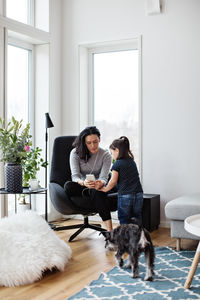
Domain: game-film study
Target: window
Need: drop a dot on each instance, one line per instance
(116, 102)
(19, 10)
(18, 70)
(31, 12)
(19, 81)
(110, 86)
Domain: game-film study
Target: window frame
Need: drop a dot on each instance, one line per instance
(30, 48)
(86, 94)
(2, 109)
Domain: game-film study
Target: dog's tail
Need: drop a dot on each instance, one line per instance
(144, 239)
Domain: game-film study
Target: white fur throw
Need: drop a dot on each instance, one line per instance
(28, 247)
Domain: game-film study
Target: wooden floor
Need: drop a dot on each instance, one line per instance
(89, 259)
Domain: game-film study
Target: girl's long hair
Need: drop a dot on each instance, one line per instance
(123, 145)
(80, 145)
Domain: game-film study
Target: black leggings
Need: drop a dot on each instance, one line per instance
(92, 199)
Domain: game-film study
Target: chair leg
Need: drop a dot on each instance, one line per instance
(92, 226)
(96, 227)
(76, 233)
(68, 227)
(81, 227)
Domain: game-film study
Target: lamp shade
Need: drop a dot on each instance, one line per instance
(48, 123)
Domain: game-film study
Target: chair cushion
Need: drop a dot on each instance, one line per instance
(183, 207)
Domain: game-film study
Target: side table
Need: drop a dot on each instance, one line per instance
(26, 191)
(192, 225)
(151, 211)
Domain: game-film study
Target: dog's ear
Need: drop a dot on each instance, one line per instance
(106, 234)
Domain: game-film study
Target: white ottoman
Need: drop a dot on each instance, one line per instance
(177, 210)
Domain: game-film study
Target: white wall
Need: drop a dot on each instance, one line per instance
(55, 107)
(170, 82)
(55, 92)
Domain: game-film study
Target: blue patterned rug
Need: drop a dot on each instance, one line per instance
(171, 269)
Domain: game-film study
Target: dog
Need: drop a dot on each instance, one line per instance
(132, 239)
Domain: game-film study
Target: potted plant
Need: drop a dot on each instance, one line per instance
(31, 165)
(14, 143)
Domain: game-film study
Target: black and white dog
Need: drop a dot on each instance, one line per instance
(132, 239)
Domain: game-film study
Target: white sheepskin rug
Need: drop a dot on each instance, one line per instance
(28, 247)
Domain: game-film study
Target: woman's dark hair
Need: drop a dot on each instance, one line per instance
(123, 145)
(80, 145)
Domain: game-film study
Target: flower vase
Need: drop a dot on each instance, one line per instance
(23, 205)
(13, 178)
(21, 208)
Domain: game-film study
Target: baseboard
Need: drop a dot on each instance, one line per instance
(165, 224)
(95, 218)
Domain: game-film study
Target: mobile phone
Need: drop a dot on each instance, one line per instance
(90, 177)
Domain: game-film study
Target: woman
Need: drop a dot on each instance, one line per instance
(88, 158)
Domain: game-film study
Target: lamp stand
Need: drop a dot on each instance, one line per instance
(46, 141)
(48, 124)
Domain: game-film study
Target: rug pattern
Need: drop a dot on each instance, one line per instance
(171, 270)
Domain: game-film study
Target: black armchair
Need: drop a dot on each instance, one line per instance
(60, 173)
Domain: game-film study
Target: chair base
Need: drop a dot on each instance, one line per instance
(81, 228)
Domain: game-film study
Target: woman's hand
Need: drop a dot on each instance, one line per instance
(90, 184)
(81, 182)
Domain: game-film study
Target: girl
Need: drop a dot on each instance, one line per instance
(125, 174)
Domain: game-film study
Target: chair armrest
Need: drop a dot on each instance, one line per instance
(60, 199)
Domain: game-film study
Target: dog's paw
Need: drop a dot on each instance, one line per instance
(135, 273)
(127, 266)
(121, 262)
(148, 278)
(149, 275)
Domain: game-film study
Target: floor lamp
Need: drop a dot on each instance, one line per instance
(48, 124)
